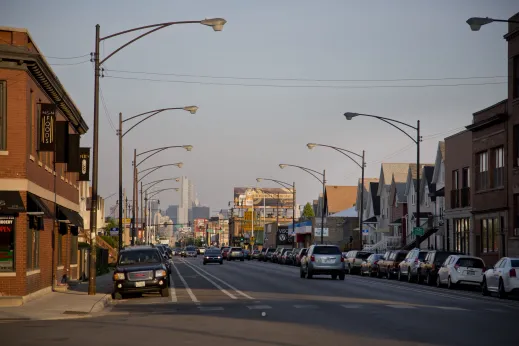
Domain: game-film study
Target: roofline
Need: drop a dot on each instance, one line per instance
(457, 134)
(505, 101)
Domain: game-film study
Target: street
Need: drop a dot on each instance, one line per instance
(256, 303)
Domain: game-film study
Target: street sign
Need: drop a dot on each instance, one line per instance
(418, 231)
(317, 232)
(365, 231)
(127, 221)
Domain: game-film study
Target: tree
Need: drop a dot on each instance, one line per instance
(110, 223)
(198, 242)
(308, 211)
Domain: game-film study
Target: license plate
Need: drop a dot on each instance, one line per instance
(329, 261)
(471, 273)
(140, 284)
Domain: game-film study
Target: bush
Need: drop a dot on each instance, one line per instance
(112, 241)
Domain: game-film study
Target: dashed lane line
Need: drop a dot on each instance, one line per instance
(223, 290)
(189, 291)
(172, 291)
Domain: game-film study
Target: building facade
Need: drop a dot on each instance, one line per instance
(39, 198)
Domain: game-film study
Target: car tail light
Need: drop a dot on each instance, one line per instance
(456, 266)
(416, 261)
(484, 269)
(312, 258)
(342, 259)
(513, 274)
(376, 262)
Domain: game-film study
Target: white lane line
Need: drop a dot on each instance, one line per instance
(172, 292)
(496, 310)
(397, 306)
(225, 283)
(189, 291)
(452, 308)
(210, 308)
(259, 307)
(232, 296)
(306, 306)
(351, 306)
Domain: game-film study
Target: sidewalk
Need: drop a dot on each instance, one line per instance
(74, 303)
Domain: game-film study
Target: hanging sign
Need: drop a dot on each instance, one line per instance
(84, 164)
(47, 127)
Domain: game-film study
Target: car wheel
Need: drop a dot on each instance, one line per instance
(450, 284)
(309, 274)
(399, 276)
(501, 290)
(301, 273)
(342, 276)
(409, 276)
(484, 288)
(164, 292)
(205, 263)
(334, 276)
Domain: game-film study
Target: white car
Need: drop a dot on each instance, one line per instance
(461, 270)
(502, 278)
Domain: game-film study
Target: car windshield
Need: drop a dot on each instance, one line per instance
(139, 256)
(212, 253)
(362, 255)
(327, 250)
(421, 255)
(470, 263)
(190, 248)
(514, 263)
(271, 250)
(236, 249)
(401, 256)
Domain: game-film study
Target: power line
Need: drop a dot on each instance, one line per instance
(306, 79)
(70, 64)
(308, 86)
(66, 58)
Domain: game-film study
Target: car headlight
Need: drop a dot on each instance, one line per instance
(160, 273)
(219, 257)
(206, 257)
(118, 276)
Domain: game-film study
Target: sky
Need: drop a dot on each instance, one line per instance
(281, 74)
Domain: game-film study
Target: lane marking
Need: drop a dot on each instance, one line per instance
(397, 306)
(351, 306)
(210, 308)
(453, 308)
(496, 310)
(259, 307)
(225, 283)
(189, 291)
(172, 292)
(232, 296)
(306, 306)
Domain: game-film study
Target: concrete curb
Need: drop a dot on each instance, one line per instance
(102, 304)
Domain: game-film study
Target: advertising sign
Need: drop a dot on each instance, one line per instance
(245, 197)
(73, 164)
(84, 164)
(282, 236)
(47, 127)
(6, 243)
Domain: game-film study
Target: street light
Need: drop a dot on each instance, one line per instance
(155, 168)
(147, 202)
(323, 181)
(362, 165)
(287, 186)
(217, 25)
(351, 115)
(476, 23)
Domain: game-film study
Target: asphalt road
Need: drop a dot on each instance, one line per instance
(254, 303)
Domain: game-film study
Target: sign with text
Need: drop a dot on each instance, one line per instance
(6, 243)
(47, 127)
(245, 197)
(317, 232)
(84, 163)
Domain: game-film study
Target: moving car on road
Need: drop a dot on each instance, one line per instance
(139, 270)
(225, 251)
(213, 256)
(323, 260)
(235, 253)
(190, 251)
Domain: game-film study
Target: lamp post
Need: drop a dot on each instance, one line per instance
(362, 165)
(217, 25)
(476, 23)
(286, 186)
(323, 181)
(151, 153)
(147, 207)
(392, 122)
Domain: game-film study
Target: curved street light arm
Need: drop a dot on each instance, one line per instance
(155, 110)
(149, 116)
(153, 169)
(347, 155)
(279, 182)
(309, 172)
(156, 28)
(399, 129)
(303, 168)
(159, 180)
(150, 155)
(154, 193)
(388, 119)
(145, 175)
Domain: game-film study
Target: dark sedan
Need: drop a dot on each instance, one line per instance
(213, 256)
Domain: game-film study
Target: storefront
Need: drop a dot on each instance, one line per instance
(11, 205)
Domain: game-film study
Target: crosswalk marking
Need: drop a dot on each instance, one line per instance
(398, 306)
(259, 307)
(306, 306)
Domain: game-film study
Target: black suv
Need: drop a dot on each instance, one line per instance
(140, 269)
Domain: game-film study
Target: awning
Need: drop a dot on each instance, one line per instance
(397, 222)
(372, 220)
(35, 204)
(11, 202)
(69, 216)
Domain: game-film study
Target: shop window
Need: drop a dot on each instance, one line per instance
(7, 246)
(482, 173)
(3, 115)
(33, 244)
(73, 249)
(461, 235)
(499, 169)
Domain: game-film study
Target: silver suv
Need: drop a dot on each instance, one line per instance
(323, 260)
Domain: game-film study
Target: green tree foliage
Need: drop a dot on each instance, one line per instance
(308, 211)
(198, 242)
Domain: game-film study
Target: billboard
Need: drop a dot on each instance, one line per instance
(246, 197)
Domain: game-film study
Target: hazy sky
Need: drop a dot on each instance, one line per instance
(243, 130)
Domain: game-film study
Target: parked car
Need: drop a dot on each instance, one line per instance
(388, 266)
(262, 254)
(323, 260)
(283, 255)
(291, 257)
(225, 251)
(428, 269)
(246, 254)
(212, 255)
(502, 278)
(235, 253)
(370, 265)
(269, 253)
(255, 254)
(276, 256)
(461, 270)
(300, 255)
(354, 259)
(408, 268)
(140, 269)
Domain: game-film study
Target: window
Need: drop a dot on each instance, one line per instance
(59, 249)
(33, 244)
(490, 235)
(3, 115)
(455, 180)
(7, 248)
(516, 145)
(31, 124)
(73, 249)
(461, 235)
(515, 76)
(465, 177)
(482, 176)
(499, 170)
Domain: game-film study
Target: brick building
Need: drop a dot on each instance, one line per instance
(39, 199)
